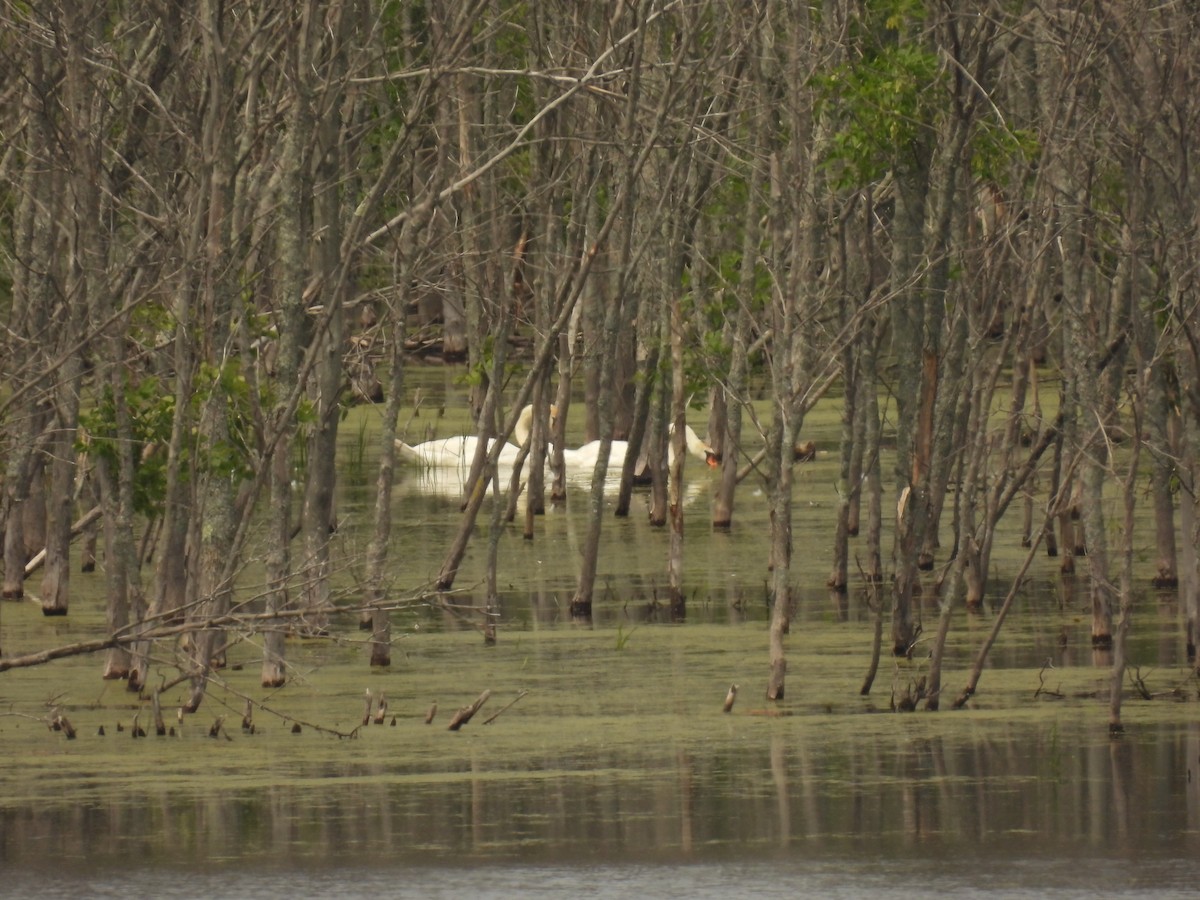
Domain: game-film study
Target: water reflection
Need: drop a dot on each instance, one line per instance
(1021, 792)
(449, 482)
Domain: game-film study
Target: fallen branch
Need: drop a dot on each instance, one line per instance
(463, 716)
(496, 715)
(141, 632)
(1135, 678)
(84, 521)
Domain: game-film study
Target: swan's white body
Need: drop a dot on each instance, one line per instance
(584, 458)
(460, 450)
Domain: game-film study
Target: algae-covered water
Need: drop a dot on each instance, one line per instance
(614, 771)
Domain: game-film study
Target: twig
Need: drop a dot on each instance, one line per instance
(1042, 683)
(1135, 678)
(496, 715)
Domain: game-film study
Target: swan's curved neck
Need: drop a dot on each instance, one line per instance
(523, 427)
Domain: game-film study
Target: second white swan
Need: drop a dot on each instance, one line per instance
(458, 451)
(584, 458)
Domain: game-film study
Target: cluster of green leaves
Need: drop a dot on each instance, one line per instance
(151, 413)
(878, 109)
(879, 102)
(997, 149)
(227, 384)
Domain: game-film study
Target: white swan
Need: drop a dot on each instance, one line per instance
(460, 450)
(584, 458)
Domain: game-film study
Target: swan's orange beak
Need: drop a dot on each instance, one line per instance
(711, 459)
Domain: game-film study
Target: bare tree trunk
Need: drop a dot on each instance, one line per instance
(32, 286)
(215, 492)
(1125, 590)
(84, 273)
(377, 552)
(294, 238)
(735, 382)
(1189, 528)
(679, 457)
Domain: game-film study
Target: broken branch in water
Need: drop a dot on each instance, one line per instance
(1139, 683)
(496, 715)
(730, 697)
(1042, 690)
(463, 716)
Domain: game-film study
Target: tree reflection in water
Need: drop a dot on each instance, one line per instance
(1017, 792)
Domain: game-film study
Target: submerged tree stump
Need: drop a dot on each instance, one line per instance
(463, 716)
(60, 722)
(730, 698)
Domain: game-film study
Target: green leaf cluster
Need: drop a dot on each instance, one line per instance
(227, 383)
(879, 103)
(151, 413)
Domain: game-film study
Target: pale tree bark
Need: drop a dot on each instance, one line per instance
(82, 283)
(1087, 317)
(796, 234)
(215, 493)
(294, 237)
(25, 412)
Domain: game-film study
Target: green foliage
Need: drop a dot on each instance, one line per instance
(880, 102)
(226, 383)
(997, 148)
(151, 413)
(878, 108)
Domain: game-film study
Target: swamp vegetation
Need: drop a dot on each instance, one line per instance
(922, 275)
(616, 747)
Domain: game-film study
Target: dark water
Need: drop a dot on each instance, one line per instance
(858, 877)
